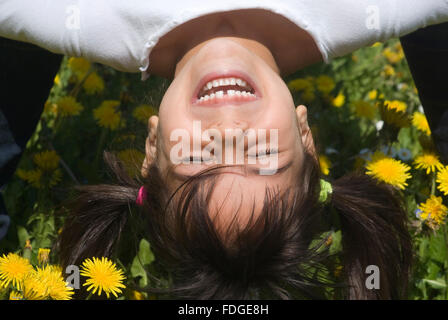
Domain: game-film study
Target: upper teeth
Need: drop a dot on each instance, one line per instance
(208, 94)
(224, 82)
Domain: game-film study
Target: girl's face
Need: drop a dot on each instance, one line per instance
(268, 113)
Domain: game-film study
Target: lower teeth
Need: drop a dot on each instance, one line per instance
(230, 93)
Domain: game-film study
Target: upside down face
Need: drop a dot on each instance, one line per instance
(223, 86)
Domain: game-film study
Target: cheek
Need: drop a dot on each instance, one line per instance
(281, 104)
(281, 114)
(177, 95)
(173, 115)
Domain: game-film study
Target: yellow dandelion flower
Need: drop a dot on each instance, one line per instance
(389, 71)
(393, 56)
(301, 84)
(421, 123)
(13, 269)
(28, 244)
(433, 209)
(397, 105)
(399, 48)
(137, 295)
(14, 295)
(50, 107)
(389, 170)
(68, 106)
(325, 84)
(393, 113)
(38, 179)
(47, 160)
(325, 164)
(57, 80)
(442, 180)
(377, 44)
(33, 288)
(304, 85)
(79, 66)
(102, 276)
(33, 177)
(364, 109)
(308, 95)
(428, 161)
(339, 100)
(93, 84)
(22, 174)
(329, 240)
(43, 255)
(107, 115)
(46, 282)
(143, 112)
(53, 282)
(372, 94)
(338, 271)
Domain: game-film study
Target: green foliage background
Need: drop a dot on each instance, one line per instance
(339, 132)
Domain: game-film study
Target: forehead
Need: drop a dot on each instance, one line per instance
(242, 197)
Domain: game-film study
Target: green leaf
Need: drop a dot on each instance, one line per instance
(143, 258)
(436, 284)
(408, 139)
(423, 249)
(422, 286)
(437, 248)
(433, 270)
(336, 243)
(23, 235)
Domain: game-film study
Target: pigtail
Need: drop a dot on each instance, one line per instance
(268, 257)
(97, 216)
(374, 232)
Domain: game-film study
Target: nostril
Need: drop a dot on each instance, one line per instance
(241, 125)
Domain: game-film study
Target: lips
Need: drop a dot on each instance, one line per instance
(236, 93)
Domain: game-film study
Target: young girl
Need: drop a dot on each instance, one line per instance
(227, 231)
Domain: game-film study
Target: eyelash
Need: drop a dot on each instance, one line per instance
(268, 151)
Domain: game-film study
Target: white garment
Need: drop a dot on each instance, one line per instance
(122, 33)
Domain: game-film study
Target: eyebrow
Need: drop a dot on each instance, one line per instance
(251, 170)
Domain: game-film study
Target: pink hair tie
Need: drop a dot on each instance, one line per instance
(141, 196)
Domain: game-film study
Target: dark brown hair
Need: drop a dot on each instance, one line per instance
(273, 256)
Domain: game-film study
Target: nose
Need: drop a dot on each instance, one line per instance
(232, 134)
(230, 125)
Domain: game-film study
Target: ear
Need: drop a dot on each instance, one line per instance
(304, 129)
(150, 146)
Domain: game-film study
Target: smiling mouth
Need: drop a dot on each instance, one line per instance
(219, 89)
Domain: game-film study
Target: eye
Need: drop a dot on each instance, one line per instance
(268, 151)
(194, 159)
(263, 153)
